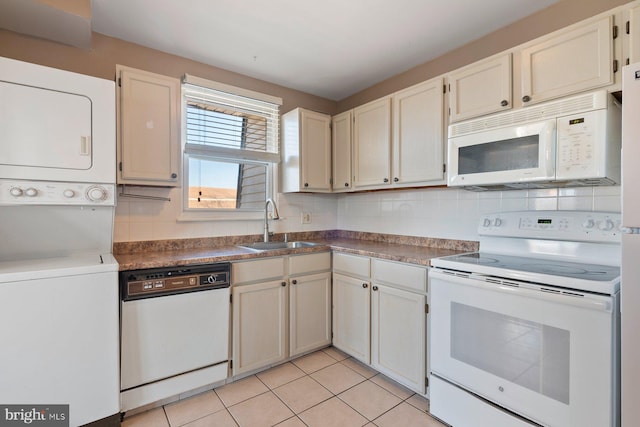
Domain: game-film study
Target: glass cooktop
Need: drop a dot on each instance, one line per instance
(589, 277)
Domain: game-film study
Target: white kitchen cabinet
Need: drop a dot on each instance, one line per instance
(341, 151)
(148, 121)
(481, 88)
(281, 308)
(372, 144)
(379, 316)
(399, 322)
(418, 134)
(309, 302)
(568, 61)
(309, 312)
(633, 30)
(351, 314)
(351, 305)
(306, 151)
(259, 325)
(259, 305)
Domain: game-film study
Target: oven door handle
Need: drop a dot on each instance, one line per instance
(555, 295)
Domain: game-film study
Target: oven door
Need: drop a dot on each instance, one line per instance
(543, 355)
(515, 154)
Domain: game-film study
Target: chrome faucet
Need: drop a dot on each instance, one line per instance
(266, 216)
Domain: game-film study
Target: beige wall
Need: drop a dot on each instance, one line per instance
(106, 52)
(563, 13)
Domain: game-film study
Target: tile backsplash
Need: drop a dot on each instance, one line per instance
(428, 212)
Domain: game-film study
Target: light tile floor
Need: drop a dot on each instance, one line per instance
(326, 388)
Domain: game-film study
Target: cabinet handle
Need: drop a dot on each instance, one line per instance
(375, 288)
(306, 184)
(395, 179)
(346, 184)
(504, 103)
(294, 282)
(385, 180)
(364, 285)
(174, 175)
(526, 98)
(283, 283)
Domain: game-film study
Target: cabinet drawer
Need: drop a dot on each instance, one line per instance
(352, 265)
(263, 269)
(300, 264)
(406, 276)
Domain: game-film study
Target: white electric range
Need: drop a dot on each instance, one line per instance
(526, 331)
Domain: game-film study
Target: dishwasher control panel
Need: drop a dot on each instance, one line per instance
(137, 284)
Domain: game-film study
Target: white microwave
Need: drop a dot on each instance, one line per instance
(56, 125)
(570, 142)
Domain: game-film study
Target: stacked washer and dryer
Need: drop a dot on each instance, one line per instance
(59, 302)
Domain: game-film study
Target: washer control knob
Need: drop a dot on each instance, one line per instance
(486, 222)
(589, 223)
(31, 192)
(16, 192)
(96, 193)
(211, 279)
(606, 225)
(68, 193)
(497, 222)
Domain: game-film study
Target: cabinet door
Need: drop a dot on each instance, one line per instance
(372, 144)
(418, 137)
(341, 141)
(351, 311)
(481, 88)
(634, 35)
(568, 62)
(259, 325)
(309, 312)
(148, 119)
(398, 335)
(315, 136)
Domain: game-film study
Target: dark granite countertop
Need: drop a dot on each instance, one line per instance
(415, 250)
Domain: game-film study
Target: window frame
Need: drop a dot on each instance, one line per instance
(228, 155)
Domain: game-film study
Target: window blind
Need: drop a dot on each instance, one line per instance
(228, 125)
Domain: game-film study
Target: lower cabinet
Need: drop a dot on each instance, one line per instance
(380, 316)
(281, 308)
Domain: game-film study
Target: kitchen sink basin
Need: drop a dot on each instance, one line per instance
(266, 246)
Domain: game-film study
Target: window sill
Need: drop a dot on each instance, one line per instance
(220, 216)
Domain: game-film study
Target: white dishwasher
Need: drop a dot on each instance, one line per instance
(174, 331)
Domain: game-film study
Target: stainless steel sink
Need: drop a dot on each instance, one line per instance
(266, 246)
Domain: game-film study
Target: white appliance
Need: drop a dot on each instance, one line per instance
(58, 279)
(175, 331)
(572, 141)
(630, 291)
(54, 124)
(526, 331)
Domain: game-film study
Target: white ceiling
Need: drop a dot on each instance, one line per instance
(330, 48)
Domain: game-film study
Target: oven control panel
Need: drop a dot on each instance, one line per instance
(24, 192)
(578, 226)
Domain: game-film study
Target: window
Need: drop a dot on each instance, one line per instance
(230, 147)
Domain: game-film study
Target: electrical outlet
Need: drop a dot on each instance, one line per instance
(305, 218)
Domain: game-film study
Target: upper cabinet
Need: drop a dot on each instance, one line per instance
(632, 30)
(418, 134)
(372, 144)
(341, 151)
(480, 88)
(148, 121)
(306, 151)
(568, 61)
(411, 155)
